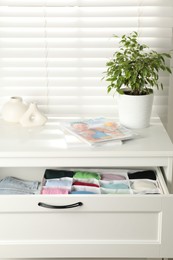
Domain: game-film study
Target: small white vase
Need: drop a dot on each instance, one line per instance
(135, 111)
(13, 110)
(33, 117)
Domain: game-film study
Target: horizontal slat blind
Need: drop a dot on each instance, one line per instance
(54, 52)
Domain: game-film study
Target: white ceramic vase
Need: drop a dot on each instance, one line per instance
(33, 117)
(135, 111)
(13, 110)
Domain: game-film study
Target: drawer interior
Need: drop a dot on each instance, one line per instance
(106, 186)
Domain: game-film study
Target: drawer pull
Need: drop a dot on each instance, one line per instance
(74, 205)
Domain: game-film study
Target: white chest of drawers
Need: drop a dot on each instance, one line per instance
(105, 226)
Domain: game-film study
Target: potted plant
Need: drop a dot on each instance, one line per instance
(133, 72)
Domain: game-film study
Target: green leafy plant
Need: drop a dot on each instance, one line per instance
(134, 68)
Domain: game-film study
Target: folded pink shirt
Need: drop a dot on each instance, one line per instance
(54, 190)
(112, 177)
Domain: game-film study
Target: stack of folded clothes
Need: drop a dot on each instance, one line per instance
(57, 186)
(85, 182)
(99, 181)
(144, 182)
(57, 182)
(114, 183)
(12, 185)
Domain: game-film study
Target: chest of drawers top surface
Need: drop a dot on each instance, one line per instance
(49, 141)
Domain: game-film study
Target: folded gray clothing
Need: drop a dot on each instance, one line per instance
(8, 191)
(14, 185)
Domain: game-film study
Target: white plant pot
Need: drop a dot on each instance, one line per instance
(135, 111)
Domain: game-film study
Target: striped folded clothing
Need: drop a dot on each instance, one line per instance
(80, 183)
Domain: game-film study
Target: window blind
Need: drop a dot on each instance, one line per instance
(54, 52)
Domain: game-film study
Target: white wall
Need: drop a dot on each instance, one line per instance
(170, 105)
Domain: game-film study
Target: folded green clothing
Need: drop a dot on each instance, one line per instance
(86, 175)
(52, 174)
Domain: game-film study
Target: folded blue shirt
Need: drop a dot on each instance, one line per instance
(115, 186)
(82, 192)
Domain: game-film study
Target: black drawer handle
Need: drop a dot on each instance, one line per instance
(74, 205)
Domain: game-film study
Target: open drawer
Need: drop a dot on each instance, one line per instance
(100, 226)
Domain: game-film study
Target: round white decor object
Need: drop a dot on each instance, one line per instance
(13, 110)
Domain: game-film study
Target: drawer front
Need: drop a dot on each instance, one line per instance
(104, 226)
